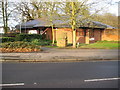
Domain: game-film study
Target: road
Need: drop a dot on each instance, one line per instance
(100, 74)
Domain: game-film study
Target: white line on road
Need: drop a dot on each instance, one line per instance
(16, 84)
(104, 79)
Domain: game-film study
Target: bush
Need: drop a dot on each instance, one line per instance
(28, 37)
(41, 42)
(7, 39)
(19, 46)
(10, 35)
(45, 42)
(35, 41)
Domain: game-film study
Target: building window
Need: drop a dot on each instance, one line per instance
(32, 32)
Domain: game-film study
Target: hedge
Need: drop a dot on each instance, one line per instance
(7, 39)
(18, 44)
(28, 37)
(9, 35)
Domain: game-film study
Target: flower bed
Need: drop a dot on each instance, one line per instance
(8, 50)
(19, 46)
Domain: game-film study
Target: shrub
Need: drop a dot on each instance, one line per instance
(10, 35)
(48, 41)
(7, 39)
(35, 41)
(19, 46)
(28, 37)
(41, 42)
(45, 42)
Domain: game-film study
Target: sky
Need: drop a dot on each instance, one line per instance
(109, 9)
(112, 9)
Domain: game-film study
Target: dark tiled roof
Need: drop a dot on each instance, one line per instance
(44, 22)
(32, 23)
(102, 25)
(94, 24)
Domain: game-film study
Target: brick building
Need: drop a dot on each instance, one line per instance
(88, 32)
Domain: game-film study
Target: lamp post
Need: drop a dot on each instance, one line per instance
(20, 17)
(20, 27)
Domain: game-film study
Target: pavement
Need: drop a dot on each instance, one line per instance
(56, 55)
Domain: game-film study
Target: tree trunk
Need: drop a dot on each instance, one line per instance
(74, 39)
(3, 15)
(73, 24)
(53, 36)
(6, 18)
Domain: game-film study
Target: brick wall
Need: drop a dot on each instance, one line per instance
(49, 34)
(110, 34)
(63, 33)
(97, 34)
(80, 35)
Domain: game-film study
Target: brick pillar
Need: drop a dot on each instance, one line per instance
(61, 38)
(87, 37)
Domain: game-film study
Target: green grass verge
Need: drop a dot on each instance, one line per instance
(102, 45)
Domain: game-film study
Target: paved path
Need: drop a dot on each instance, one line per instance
(54, 54)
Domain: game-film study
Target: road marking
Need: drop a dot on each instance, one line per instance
(104, 79)
(35, 83)
(16, 84)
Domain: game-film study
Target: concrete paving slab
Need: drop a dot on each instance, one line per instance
(54, 54)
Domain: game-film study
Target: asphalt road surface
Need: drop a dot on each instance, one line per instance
(100, 74)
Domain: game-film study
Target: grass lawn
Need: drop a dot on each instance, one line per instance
(97, 45)
(102, 45)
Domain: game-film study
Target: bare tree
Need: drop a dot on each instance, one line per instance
(51, 13)
(79, 10)
(32, 10)
(4, 15)
(74, 10)
(107, 18)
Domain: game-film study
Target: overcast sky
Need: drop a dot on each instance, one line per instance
(110, 9)
(114, 8)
